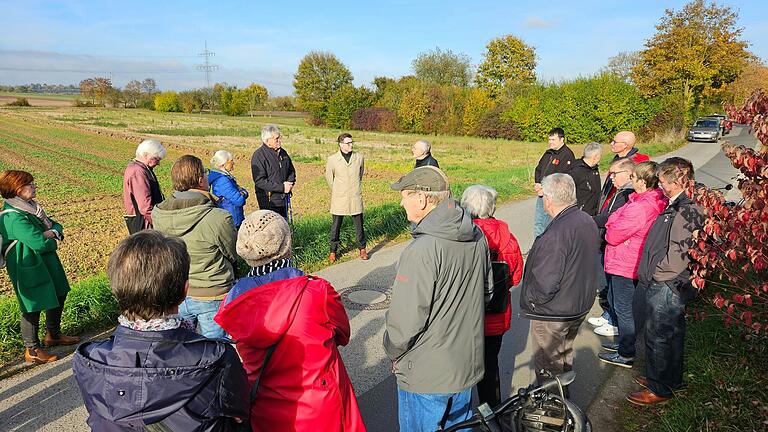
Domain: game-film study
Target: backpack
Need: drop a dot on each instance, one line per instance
(10, 246)
(500, 297)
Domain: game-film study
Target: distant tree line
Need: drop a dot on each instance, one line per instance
(694, 63)
(41, 88)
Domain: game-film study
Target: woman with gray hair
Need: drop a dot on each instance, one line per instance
(480, 202)
(224, 185)
(141, 189)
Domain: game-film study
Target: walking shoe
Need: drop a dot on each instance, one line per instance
(616, 360)
(611, 346)
(363, 254)
(59, 339)
(598, 321)
(607, 330)
(332, 257)
(37, 355)
(646, 397)
(641, 380)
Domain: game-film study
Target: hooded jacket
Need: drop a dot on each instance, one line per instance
(501, 241)
(176, 377)
(231, 196)
(587, 180)
(626, 230)
(210, 237)
(434, 325)
(305, 386)
(560, 274)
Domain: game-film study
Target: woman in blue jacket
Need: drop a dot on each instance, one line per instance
(223, 184)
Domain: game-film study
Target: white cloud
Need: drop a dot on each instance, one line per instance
(534, 22)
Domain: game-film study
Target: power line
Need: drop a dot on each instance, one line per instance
(207, 67)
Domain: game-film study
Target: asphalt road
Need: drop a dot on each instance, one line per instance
(45, 398)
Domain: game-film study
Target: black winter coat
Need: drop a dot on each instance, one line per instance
(616, 201)
(560, 274)
(175, 376)
(587, 181)
(270, 169)
(427, 161)
(554, 161)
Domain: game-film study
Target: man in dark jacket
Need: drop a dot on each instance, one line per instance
(557, 159)
(273, 172)
(623, 145)
(665, 277)
(586, 176)
(559, 278)
(434, 326)
(154, 370)
(422, 151)
(619, 172)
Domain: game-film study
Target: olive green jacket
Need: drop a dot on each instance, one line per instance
(32, 263)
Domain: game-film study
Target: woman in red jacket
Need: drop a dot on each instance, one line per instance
(480, 202)
(287, 327)
(625, 233)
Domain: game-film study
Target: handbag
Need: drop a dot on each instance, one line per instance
(134, 222)
(500, 297)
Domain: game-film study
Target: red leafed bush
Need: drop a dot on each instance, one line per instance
(731, 250)
(374, 119)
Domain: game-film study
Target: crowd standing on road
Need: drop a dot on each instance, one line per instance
(261, 352)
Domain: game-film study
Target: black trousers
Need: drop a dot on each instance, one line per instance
(281, 210)
(488, 389)
(664, 339)
(30, 324)
(336, 228)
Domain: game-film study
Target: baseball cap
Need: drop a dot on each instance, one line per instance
(426, 178)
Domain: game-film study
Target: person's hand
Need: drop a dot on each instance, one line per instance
(49, 234)
(537, 188)
(287, 186)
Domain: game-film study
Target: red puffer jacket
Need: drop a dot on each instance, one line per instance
(305, 386)
(505, 244)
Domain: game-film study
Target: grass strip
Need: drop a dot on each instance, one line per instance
(725, 376)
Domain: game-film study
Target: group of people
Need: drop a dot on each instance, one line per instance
(197, 348)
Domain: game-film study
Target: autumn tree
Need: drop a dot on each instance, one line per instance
(754, 77)
(319, 75)
(88, 89)
(443, 67)
(344, 103)
(132, 92)
(694, 52)
(255, 96)
(507, 60)
(149, 86)
(622, 64)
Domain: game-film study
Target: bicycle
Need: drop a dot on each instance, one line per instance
(532, 409)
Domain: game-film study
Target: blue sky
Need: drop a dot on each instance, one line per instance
(64, 42)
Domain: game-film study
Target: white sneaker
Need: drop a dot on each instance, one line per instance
(607, 330)
(597, 321)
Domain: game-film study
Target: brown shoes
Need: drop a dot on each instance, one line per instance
(38, 356)
(60, 339)
(641, 380)
(332, 257)
(646, 397)
(363, 254)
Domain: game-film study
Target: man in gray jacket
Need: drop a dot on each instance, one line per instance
(434, 326)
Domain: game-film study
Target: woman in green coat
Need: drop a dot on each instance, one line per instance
(29, 247)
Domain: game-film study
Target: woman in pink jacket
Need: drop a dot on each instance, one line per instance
(625, 233)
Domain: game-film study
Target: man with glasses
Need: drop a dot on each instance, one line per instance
(620, 174)
(623, 145)
(273, 172)
(344, 174)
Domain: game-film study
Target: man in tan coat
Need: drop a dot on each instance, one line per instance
(344, 173)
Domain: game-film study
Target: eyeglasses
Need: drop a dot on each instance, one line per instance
(348, 142)
(632, 177)
(617, 142)
(278, 138)
(613, 173)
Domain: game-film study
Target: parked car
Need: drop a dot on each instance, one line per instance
(705, 129)
(725, 124)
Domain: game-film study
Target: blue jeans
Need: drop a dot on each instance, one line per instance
(622, 296)
(540, 219)
(422, 412)
(664, 339)
(201, 312)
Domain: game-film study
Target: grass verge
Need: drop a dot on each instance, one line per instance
(90, 305)
(725, 376)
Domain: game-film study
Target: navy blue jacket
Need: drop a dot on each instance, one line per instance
(136, 378)
(231, 196)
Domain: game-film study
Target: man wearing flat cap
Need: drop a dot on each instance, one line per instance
(434, 326)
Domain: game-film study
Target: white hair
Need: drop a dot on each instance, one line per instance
(592, 149)
(269, 131)
(220, 158)
(151, 148)
(560, 189)
(480, 201)
(425, 145)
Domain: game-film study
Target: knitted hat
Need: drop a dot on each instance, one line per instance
(263, 237)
